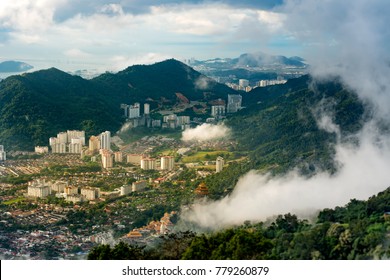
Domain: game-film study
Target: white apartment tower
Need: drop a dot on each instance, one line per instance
(148, 163)
(146, 109)
(167, 163)
(218, 110)
(38, 188)
(107, 159)
(219, 164)
(134, 111)
(105, 140)
(3, 155)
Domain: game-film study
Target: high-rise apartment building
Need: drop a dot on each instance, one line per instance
(71, 141)
(218, 110)
(38, 188)
(134, 111)
(234, 103)
(76, 134)
(134, 158)
(118, 156)
(107, 159)
(90, 193)
(167, 163)
(139, 186)
(146, 109)
(94, 144)
(219, 164)
(243, 83)
(125, 189)
(3, 155)
(148, 163)
(105, 140)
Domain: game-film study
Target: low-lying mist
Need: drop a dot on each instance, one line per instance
(206, 132)
(363, 172)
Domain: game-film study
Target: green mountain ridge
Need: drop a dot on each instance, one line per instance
(38, 105)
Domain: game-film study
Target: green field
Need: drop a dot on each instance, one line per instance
(13, 201)
(206, 155)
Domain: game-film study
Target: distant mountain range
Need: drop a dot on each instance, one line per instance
(251, 66)
(14, 67)
(252, 60)
(35, 106)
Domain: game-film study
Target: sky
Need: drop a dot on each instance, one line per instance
(113, 34)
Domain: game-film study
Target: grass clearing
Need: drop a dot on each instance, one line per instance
(206, 156)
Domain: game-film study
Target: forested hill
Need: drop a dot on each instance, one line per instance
(358, 230)
(279, 126)
(38, 105)
(163, 80)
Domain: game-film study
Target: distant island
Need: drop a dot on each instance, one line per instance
(14, 67)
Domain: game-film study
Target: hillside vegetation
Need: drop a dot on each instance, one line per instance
(38, 105)
(279, 126)
(358, 230)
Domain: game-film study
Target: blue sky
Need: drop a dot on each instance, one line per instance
(113, 34)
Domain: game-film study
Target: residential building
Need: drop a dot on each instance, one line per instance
(134, 158)
(219, 164)
(139, 186)
(76, 134)
(234, 103)
(148, 163)
(107, 159)
(75, 198)
(243, 83)
(41, 149)
(167, 163)
(71, 141)
(3, 155)
(94, 144)
(182, 120)
(71, 190)
(126, 189)
(118, 156)
(90, 193)
(134, 111)
(218, 110)
(75, 146)
(58, 186)
(146, 109)
(105, 140)
(38, 188)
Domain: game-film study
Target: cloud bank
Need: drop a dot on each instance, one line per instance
(205, 132)
(257, 197)
(49, 31)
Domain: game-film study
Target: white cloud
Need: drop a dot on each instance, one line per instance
(210, 19)
(76, 53)
(349, 39)
(205, 132)
(258, 197)
(28, 15)
(107, 29)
